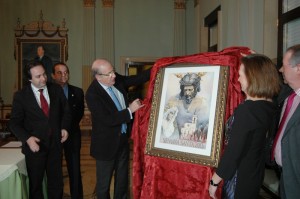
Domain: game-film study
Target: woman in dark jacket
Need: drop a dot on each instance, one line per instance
(243, 162)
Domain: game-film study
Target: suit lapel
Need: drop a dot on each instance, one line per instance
(122, 90)
(295, 117)
(103, 94)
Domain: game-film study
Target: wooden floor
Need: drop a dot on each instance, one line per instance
(88, 170)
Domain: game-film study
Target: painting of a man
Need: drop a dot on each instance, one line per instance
(47, 52)
(187, 113)
(45, 60)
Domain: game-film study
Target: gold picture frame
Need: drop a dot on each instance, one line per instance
(187, 113)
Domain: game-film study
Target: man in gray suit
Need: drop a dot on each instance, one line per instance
(287, 147)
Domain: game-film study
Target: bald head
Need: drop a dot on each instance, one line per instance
(99, 65)
(104, 72)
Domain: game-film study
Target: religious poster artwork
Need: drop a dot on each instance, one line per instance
(187, 113)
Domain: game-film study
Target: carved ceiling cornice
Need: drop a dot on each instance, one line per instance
(89, 3)
(47, 28)
(108, 3)
(179, 4)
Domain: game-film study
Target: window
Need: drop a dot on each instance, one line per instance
(288, 25)
(211, 21)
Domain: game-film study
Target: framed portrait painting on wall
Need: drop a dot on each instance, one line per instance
(26, 50)
(41, 41)
(187, 113)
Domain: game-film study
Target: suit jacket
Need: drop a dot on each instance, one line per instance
(76, 104)
(106, 119)
(27, 118)
(290, 147)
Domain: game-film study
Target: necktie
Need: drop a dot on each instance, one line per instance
(65, 88)
(283, 121)
(118, 105)
(44, 103)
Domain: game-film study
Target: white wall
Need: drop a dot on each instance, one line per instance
(143, 28)
(251, 23)
(243, 22)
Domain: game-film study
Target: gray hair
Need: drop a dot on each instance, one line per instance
(295, 58)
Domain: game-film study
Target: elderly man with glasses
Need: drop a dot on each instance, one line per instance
(111, 113)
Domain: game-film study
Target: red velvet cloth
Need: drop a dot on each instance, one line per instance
(161, 178)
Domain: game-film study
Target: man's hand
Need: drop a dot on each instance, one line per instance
(64, 135)
(33, 144)
(135, 105)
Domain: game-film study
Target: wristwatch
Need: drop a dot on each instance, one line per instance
(213, 184)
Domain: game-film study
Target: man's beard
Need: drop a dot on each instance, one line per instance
(188, 99)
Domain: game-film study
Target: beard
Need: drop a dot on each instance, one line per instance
(188, 98)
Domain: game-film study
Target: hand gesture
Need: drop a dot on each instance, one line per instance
(33, 144)
(64, 135)
(135, 105)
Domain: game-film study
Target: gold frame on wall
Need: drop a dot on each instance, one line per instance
(198, 146)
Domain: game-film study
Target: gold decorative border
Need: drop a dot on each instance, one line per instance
(217, 137)
(108, 3)
(179, 5)
(89, 3)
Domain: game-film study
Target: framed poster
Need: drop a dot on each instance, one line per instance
(187, 113)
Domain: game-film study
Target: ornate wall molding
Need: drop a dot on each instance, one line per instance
(89, 3)
(34, 28)
(179, 4)
(108, 3)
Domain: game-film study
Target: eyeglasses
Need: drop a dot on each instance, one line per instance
(108, 74)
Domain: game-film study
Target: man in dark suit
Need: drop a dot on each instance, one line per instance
(75, 96)
(40, 118)
(46, 61)
(111, 116)
(287, 141)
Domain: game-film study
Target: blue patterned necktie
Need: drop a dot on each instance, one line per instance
(118, 105)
